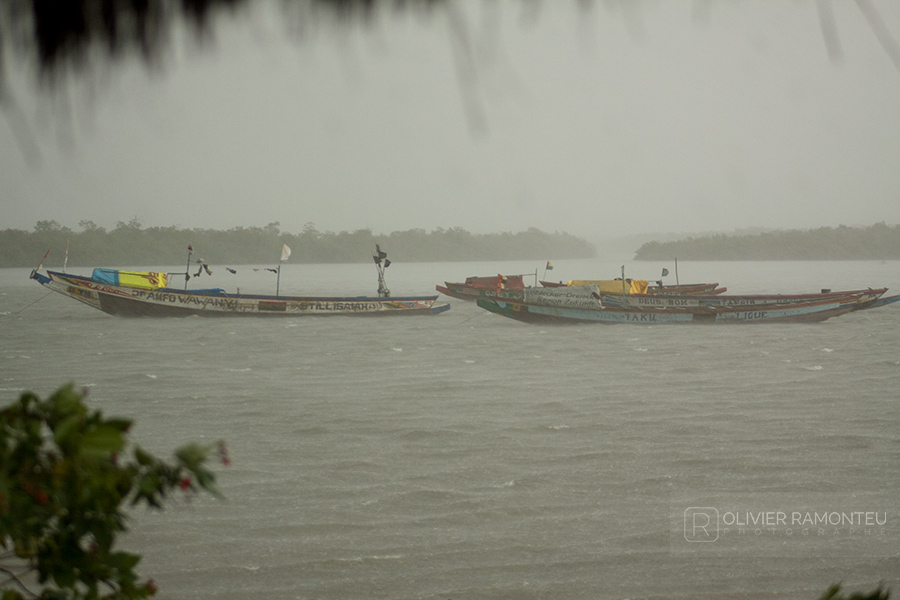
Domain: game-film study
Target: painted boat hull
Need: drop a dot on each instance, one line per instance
(881, 302)
(472, 291)
(167, 302)
(653, 301)
(510, 286)
(805, 312)
(463, 292)
(684, 288)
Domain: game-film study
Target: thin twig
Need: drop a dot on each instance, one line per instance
(876, 23)
(829, 30)
(466, 68)
(12, 577)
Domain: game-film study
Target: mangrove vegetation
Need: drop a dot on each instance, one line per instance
(878, 242)
(131, 244)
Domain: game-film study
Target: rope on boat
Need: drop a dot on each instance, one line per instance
(478, 314)
(30, 305)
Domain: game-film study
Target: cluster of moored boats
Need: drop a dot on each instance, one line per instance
(142, 293)
(637, 301)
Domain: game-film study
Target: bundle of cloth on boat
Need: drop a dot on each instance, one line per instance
(614, 286)
(145, 280)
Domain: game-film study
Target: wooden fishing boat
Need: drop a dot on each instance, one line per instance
(509, 286)
(686, 288)
(616, 285)
(583, 304)
(138, 293)
(460, 291)
(471, 292)
(168, 302)
(658, 301)
(492, 282)
(513, 286)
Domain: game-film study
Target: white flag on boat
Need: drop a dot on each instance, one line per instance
(285, 253)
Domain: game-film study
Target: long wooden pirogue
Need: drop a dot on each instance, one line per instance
(585, 304)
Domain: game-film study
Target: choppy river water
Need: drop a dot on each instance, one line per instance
(465, 455)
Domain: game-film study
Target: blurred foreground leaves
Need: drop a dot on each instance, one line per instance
(835, 593)
(66, 476)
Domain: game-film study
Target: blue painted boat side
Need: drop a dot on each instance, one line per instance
(881, 302)
(538, 313)
(781, 313)
(607, 316)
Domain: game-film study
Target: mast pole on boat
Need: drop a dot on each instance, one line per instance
(676, 270)
(285, 255)
(187, 269)
(41, 264)
(378, 256)
(623, 285)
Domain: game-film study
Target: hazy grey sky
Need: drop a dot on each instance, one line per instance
(614, 120)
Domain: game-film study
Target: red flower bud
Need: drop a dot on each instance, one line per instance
(223, 453)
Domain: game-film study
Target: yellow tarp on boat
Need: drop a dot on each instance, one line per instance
(144, 280)
(614, 286)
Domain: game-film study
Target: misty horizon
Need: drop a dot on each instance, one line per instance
(602, 123)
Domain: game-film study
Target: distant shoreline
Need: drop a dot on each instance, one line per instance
(130, 243)
(878, 242)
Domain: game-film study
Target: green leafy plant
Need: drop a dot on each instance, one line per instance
(67, 474)
(835, 593)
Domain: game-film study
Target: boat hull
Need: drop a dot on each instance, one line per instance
(656, 290)
(468, 291)
(693, 301)
(166, 302)
(463, 292)
(796, 313)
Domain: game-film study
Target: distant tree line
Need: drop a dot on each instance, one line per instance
(130, 244)
(878, 242)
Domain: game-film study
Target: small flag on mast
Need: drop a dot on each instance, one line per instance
(549, 266)
(285, 253)
(665, 272)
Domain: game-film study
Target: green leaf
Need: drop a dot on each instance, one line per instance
(124, 562)
(66, 430)
(122, 425)
(102, 440)
(143, 458)
(191, 455)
